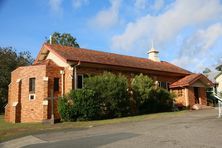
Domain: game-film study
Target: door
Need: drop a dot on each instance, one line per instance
(196, 95)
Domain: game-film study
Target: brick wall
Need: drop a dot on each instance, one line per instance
(191, 96)
(203, 97)
(129, 74)
(32, 110)
(68, 78)
(26, 110)
(52, 72)
(180, 98)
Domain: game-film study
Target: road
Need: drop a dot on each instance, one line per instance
(196, 129)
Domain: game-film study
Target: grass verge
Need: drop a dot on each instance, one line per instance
(10, 131)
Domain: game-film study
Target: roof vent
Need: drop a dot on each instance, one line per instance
(153, 54)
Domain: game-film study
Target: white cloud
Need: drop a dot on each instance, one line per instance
(197, 50)
(140, 4)
(79, 3)
(166, 26)
(108, 17)
(56, 6)
(158, 4)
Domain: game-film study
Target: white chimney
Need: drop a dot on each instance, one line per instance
(153, 54)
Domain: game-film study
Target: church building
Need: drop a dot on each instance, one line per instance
(59, 69)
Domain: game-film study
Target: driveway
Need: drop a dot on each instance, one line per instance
(196, 129)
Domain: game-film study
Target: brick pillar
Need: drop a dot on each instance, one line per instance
(187, 103)
(15, 114)
(68, 80)
(45, 101)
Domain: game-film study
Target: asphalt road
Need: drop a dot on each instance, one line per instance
(195, 129)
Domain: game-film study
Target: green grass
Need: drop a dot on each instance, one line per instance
(10, 131)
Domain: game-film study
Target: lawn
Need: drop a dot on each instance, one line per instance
(10, 131)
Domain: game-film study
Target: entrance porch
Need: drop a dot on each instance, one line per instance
(191, 90)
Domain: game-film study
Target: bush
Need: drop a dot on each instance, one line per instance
(65, 109)
(142, 87)
(79, 105)
(106, 96)
(111, 91)
(148, 98)
(162, 100)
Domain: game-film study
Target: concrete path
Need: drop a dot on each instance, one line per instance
(198, 129)
(20, 142)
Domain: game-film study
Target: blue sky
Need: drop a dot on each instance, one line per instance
(187, 33)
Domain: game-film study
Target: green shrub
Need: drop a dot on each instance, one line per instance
(65, 108)
(86, 107)
(78, 105)
(142, 87)
(111, 93)
(148, 98)
(161, 100)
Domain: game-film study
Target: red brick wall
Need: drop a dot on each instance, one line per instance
(68, 79)
(26, 110)
(54, 72)
(129, 75)
(203, 97)
(180, 99)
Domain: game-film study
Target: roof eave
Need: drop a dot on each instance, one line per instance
(180, 74)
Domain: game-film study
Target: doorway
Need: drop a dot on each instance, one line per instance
(196, 95)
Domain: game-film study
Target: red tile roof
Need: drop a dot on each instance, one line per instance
(190, 79)
(98, 57)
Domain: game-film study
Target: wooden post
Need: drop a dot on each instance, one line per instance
(52, 107)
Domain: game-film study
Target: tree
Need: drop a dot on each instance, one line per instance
(9, 61)
(206, 70)
(64, 39)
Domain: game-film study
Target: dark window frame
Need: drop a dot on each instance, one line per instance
(164, 85)
(80, 85)
(32, 85)
(56, 84)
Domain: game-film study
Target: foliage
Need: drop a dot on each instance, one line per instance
(64, 39)
(79, 105)
(142, 86)
(206, 70)
(106, 96)
(148, 98)
(9, 61)
(161, 100)
(111, 91)
(65, 108)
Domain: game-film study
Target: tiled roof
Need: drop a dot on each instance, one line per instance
(190, 79)
(98, 57)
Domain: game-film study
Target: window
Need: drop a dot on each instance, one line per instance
(56, 84)
(79, 81)
(31, 85)
(164, 85)
(31, 96)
